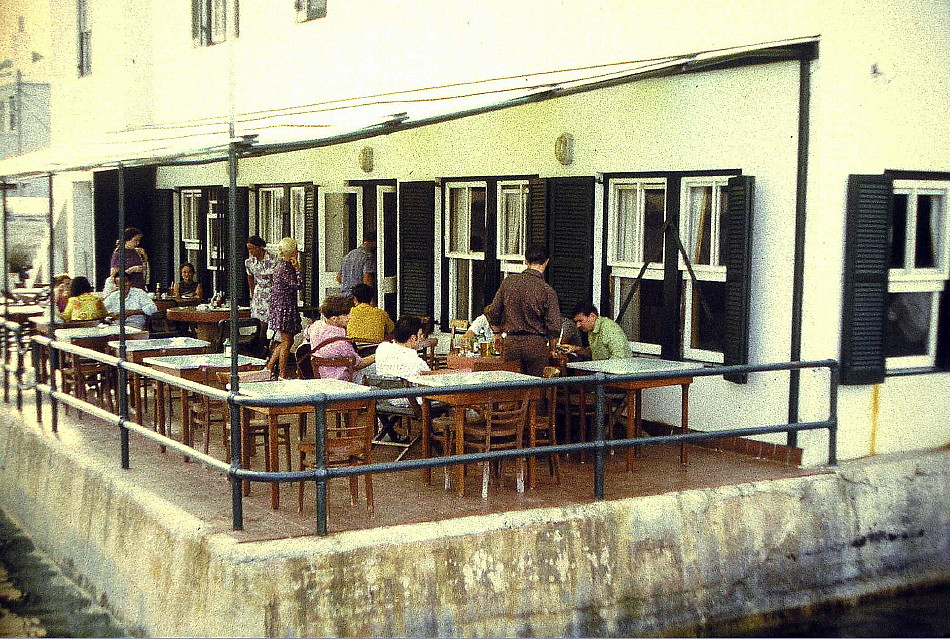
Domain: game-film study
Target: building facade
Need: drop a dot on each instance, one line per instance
(730, 189)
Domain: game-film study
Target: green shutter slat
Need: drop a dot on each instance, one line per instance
(867, 253)
(310, 294)
(738, 274)
(417, 248)
(570, 238)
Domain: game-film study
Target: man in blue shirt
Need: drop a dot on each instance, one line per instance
(359, 265)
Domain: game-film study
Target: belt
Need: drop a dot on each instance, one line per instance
(523, 333)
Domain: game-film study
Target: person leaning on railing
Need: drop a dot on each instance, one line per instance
(83, 304)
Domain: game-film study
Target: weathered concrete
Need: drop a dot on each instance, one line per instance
(651, 565)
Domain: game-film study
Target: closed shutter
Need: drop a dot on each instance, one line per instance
(161, 225)
(571, 239)
(242, 229)
(311, 296)
(738, 231)
(866, 256)
(537, 211)
(417, 248)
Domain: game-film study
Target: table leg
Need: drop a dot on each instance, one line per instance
(459, 450)
(273, 462)
(684, 459)
(160, 411)
(532, 442)
(185, 419)
(426, 442)
(632, 405)
(638, 418)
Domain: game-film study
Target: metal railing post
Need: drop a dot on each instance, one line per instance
(237, 489)
(599, 437)
(54, 362)
(35, 351)
(19, 372)
(833, 415)
(320, 464)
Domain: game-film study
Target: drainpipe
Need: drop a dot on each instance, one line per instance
(237, 505)
(53, 353)
(798, 278)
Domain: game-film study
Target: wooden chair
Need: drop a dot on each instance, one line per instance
(349, 363)
(545, 425)
(80, 376)
(502, 427)
(252, 338)
(457, 327)
(389, 415)
(429, 349)
(349, 442)
(253, 431)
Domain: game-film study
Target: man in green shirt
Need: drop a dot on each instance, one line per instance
(606, 338)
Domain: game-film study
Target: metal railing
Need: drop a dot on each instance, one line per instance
(320, 474)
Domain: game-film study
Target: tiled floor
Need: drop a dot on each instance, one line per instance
(400, 497)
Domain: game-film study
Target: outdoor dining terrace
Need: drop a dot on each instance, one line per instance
(231, 488)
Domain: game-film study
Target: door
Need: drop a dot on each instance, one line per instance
(386, 249)
(340, 230)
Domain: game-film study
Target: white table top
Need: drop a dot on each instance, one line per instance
(193, 362)
(102, 330)
(304, 388)
(160, 343)
(464, 378)
(623, 365)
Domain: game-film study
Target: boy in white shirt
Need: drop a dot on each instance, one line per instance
(138, 304)
(400, 358)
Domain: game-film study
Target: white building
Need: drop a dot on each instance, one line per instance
(458, 132)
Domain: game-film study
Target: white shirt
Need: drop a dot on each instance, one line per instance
(137, 300)
(395, 360)
(482, 329)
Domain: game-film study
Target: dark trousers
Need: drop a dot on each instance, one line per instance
(530, 350)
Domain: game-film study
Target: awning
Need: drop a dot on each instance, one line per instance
(337, 121)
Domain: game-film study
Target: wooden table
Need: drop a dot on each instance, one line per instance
(204, 319)
(479, 363)
(461, 401)
(303, 388)
(191, 367)
(634, 388)
(136, 351)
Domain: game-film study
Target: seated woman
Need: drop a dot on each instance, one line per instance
(61, 284)
(328, 339)
(188, 287)
(83, 304)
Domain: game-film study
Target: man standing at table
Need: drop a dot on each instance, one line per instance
(138, 304)
(359, 265)
(607, 340)
(526, 309)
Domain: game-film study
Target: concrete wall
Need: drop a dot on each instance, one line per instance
(640, 566)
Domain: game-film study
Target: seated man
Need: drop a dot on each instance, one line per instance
(138, 304)
(607, 340)
(399, 357)
(328, 339)
(367, 322)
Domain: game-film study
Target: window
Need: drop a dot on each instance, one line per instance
(310, 9)
(512, 220)
(190, 200)
(211, 20)
(636, 242)
(704, 203)
(465, 247)
(918, 270)
(634, 235)
(297, 214)
(215, 236)
(270, 214)
(84, 36)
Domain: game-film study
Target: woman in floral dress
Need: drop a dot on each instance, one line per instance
(284, 317)
(260, 267)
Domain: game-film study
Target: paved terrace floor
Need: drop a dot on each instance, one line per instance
(400, 497)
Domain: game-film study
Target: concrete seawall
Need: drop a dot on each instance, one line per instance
(651, 565)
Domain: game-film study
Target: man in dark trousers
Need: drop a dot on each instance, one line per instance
(526, 309)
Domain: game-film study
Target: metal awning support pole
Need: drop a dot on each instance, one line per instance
(234, 415)
(51, 331)
(123, 374)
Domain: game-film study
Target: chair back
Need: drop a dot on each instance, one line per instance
(348, 363)
(456, 327)
(504, 423)
(389, 383)
(251, 336)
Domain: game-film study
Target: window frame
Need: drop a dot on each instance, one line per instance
(502, 218)
(465, 229)
(310, 9)
(211, 21)
(276, 198)
(908, 279)
(193, 197)
(215, 260)
(84, 39)
(297, 194)
(640, 185)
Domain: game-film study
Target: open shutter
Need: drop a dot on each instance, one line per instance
(571, 239)
(417, 248)
(866, 256)
(311, 296)
(161, 224)
(242, 221)
(537, 211)
(738, 275)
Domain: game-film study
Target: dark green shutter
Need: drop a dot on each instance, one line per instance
(311, 296)
(160, 256)
(417, 248)
(738, 262)
(866, 257)
(571, 239)
(243, 222)
(537, 211)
